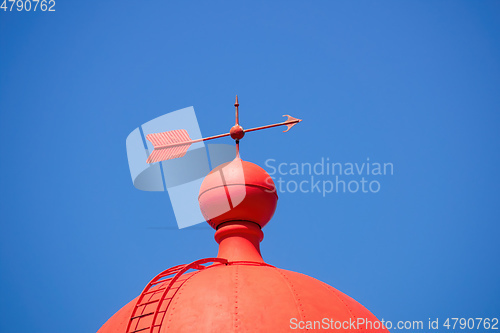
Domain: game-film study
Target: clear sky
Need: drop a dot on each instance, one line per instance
(412, 83)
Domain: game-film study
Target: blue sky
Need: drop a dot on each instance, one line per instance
(412, 83)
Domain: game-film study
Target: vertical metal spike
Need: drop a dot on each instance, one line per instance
(236, 104)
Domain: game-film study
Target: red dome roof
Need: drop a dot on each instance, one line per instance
(247, 297)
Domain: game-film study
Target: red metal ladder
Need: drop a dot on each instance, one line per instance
(147, 313)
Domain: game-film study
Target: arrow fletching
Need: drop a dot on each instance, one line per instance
(168, 145)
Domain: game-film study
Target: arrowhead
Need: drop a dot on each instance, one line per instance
(291, 122)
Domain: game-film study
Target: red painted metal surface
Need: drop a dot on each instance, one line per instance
(289, 123)
(151, 306)
(237, 132)
(167, 145)
(251, 297)
(240, 293)
(238, 190)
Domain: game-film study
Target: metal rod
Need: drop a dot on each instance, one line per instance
(236, 105)
(273, 125)
(192, 141)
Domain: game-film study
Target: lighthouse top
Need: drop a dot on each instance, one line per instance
(236, 291)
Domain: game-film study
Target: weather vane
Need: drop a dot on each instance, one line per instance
(174, 144)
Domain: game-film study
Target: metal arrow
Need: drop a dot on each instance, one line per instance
(174, 144)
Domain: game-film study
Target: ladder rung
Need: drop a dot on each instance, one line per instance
(153, 291)
(150, 302)
(170, 272)
(160, 281)
(142, 329)
(142, 315)
(166, 274)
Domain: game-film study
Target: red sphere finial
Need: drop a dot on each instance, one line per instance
(238, 191)
(237, 132)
